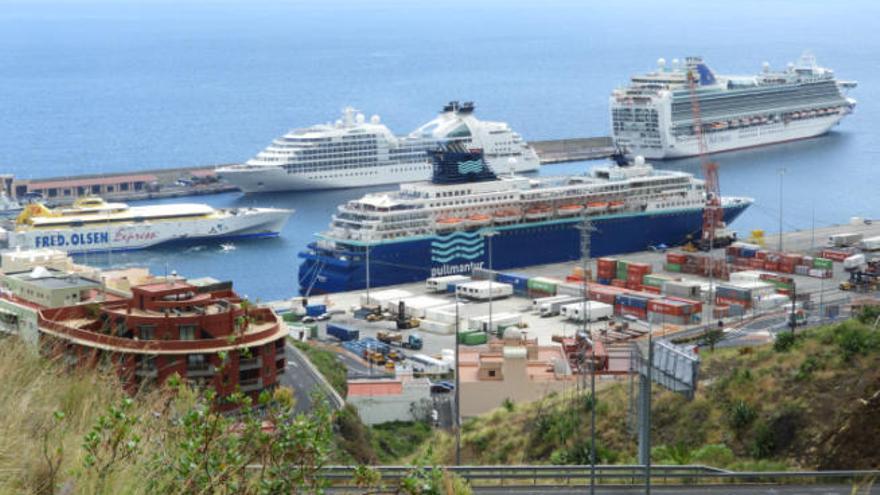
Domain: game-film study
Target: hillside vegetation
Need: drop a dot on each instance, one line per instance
(812, 401)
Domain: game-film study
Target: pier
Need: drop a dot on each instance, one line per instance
(199, 180)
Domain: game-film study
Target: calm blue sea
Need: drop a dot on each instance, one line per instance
(114, 85)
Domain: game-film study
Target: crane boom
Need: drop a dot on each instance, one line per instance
(713, 214)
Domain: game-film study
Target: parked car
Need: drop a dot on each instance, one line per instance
(323, 317)
(438, 388)
(308, 319)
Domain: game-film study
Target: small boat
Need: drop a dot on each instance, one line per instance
(572, 209)
(227, 247)
(479, 220)
(448, 223)
(538, 212)
(595, 206)
(505, 216)
(616, 205)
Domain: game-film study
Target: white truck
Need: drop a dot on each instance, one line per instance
(483, 290)
(553, 308)
(595, 311)
(441, 284)
(536, 303)
(845, 239)
(870, 243)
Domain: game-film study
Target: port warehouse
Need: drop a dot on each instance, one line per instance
(201, 179)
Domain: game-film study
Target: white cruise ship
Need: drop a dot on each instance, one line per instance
(92, 225)
(652, 116)
(355, 152)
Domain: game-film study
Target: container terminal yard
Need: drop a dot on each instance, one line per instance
(752, 299)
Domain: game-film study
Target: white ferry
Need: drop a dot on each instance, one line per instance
(355, 152)
(93, 225)
(652, 116)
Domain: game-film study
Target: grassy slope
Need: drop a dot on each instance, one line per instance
(816, 405)
(327, 364)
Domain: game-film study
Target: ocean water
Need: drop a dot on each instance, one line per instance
(107, 86)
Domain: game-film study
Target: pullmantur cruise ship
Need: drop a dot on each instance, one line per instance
(652, 116)
(449, 225)
(355, 152)
(93, 225)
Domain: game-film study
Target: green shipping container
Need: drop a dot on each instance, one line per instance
(543, 285)
(474, 338)
(622, 269)
(823, 263)
(654, 280)
(673, 267)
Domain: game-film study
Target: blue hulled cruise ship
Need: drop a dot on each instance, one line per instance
(446, 226)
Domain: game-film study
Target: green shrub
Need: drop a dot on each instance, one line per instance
(807, 367)
(784, 341)
(740, 415)
(762, 445)
(853, 339)
(716, 454)
(508, 405)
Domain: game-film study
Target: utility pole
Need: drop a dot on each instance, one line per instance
(792, 321)
(457, 421)
(647, 389)
(781, 175)
(586, 228)
(368, 273)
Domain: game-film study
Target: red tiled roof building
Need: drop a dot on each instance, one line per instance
(173, 327)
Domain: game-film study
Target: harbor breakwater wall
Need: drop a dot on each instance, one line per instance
(198, 180)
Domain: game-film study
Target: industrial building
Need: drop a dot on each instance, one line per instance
(381, 400)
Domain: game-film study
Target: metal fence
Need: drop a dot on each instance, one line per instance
(608, 475)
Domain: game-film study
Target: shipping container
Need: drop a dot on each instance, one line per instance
(499, 320)
(632, 300)
(593, 310)
(473, 338)
(543, 284)
(676, 258)
(553, 308)
(870, 243)
(570, 289)
(537, 302)
(484, 290)
(673, 267)
(483, 274)
(414, 307)
(440, 284)
(344, 333)
(423, 363)
(380, 297)
(520, 283)
(438, 327)
(825, 264)
(845, 239)
(641, 314)
(316, 309)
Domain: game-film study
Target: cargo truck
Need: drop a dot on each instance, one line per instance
(595, 311)
(412, 341)
(870, 243)
(845, 239)
(537, 302)
(553, 308)
(343, 332)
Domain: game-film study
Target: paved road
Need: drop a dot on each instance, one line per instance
(702, 490)
(299, 376)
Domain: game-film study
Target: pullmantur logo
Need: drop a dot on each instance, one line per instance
(470, 167)
(467, 246)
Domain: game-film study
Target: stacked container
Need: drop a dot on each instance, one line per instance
(674, 311)
(542, 287)
(606, 269)
(519, 282)
(632, 304)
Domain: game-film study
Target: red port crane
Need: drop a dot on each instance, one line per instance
(713, 213)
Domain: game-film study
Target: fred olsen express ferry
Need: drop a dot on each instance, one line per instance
(447, 226)
(93, 225)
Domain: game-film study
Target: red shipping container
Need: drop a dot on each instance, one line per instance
(607, 264)
(651, 289)
(574, 278)
(676, 258)
(605, 273)
(761, 255)
(634, 285)
(756, 263)
(619, 283)
(728, 301)
(771, 266)
(639, 313)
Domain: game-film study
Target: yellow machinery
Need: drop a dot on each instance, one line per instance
(757, 237)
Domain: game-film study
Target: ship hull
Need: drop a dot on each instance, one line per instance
(276, 179)
(515, 246)
(247, 223)
(747, 137)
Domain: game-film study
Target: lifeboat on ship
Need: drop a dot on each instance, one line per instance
(596, 206)
(616, 205)
(506, 216)
(479, 220)
(538, 212)
(448, 223)
(569, 210)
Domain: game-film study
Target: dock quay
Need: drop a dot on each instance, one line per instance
(199, 180)
(821, 298)
(573, 150)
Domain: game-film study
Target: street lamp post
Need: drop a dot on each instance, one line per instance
(489, 234)
(781, 175)
(457, 390)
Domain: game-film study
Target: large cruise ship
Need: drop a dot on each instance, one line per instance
(93, 225)
(652, 116)
(355, 152)
(440, 227)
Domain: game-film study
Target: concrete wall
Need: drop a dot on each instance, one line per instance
(384, 408)
(25, 324)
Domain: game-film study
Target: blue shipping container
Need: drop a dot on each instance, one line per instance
(343, 332)
(604, 281)
(520, 283)
(632, 301)
(316, 309)
(748, 252)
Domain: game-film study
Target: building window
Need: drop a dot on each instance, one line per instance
(491, 373)
(196, 361)
(187, 332)
(147, 332)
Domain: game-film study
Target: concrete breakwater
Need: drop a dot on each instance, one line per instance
(198, 180)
